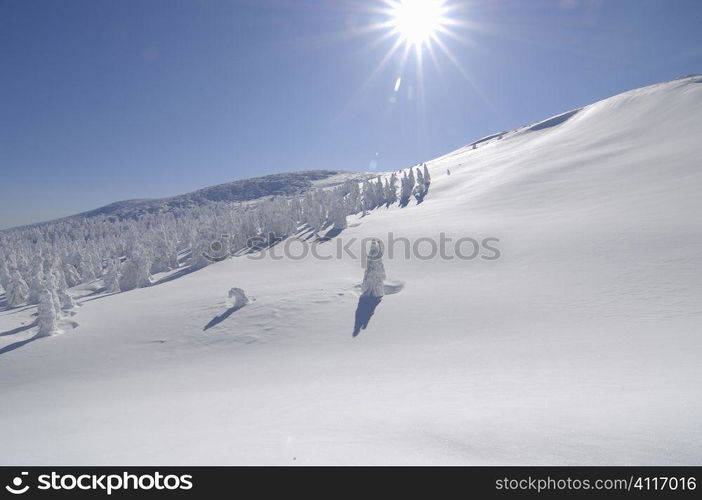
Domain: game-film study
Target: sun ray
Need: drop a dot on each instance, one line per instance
(466, 75)
(376, 71)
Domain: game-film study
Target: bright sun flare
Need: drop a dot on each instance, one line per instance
(417, 21)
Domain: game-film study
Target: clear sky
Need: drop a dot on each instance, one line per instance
(104, 100)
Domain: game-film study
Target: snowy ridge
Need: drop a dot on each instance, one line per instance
(579, 345)
(284, 184)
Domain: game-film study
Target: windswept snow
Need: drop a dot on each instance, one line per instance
(579, 345)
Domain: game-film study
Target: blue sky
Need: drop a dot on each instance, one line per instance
(109, 100)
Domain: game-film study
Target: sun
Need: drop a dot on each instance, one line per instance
(417, 21)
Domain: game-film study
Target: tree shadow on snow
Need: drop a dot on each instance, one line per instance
(92, 294)
(17, 345)
(5, 307)
(81, 301)
(332, 233)
(174, 276)
(218, 319)
(364, 312)
(19, 329)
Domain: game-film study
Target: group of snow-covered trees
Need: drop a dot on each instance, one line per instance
(418, 187)
(39, 263)
(46, 286)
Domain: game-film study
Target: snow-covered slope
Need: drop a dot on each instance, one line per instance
(579, 345)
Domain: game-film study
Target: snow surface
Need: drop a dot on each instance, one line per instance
(580, 345)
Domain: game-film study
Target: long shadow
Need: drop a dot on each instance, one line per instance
(92, 294)
(332, 233)
(364, 312)
(178, 274)
(218, 319)
(17, 345)
(96, 298)
(19, 329)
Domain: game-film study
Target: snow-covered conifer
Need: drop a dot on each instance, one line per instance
(379, 192)
(354, 197)
(391, 195)
(406, 188)
(112, 277)
(65, 300)
(71, 275)
(52, 285)
(48, 315)
(375, 272)
(165, 254)
(199, 250)
(237, 298)
(136, 270)
(36, 282)
(4, 273)
(420, 177)
(369, 201)
(129, 275)
(314, 213)
(17, 290)
(339, 214)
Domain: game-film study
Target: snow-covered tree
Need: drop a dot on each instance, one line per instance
(391, 190)
(51, 285)
(379, 192)
(427, 177)
(4, 273)
(129, 277)
(71, 274)
(406, 187)
(237, 298)
(375, 272)
(48, 315)
(135, 270)
(82, 262)
(199, 250)
(58, 282)
(36, 282)
(354, 197)
(420, 177)
(315, 213)
(165, 254)
(338, 214)
(112, 277)
(369, 197)
(16, 290)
